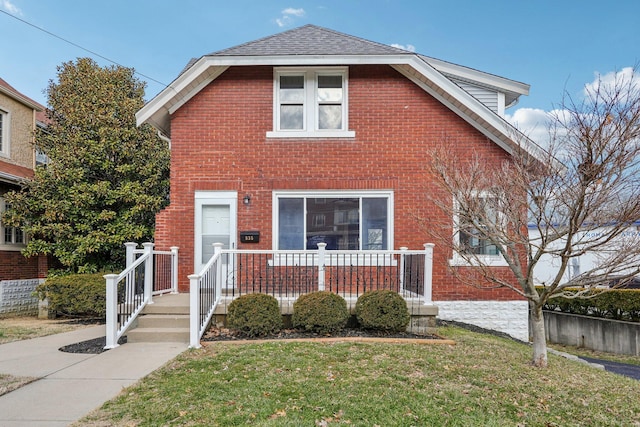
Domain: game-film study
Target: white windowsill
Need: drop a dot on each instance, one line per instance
(316, 134)
(11, 247)
(488, 260)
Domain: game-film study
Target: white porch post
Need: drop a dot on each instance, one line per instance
(194, 311)
(402, 260)
(217, 248)
(148, 272)
(130, 258)
(321, 265)
(428, 272)
(174, 269)
(112, 310)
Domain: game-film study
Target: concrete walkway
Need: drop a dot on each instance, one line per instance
(72, 385)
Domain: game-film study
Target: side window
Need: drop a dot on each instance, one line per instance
(472, 226)
(4, 132)
(10, 235)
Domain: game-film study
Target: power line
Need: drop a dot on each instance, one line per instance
(79, 47)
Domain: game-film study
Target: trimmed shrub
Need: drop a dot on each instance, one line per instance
(383, 310)
(322, 312)
(619, 304)
(255, 315)
(75, 295)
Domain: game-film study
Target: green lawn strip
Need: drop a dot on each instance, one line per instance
(585, 352)
(9, 383)
(24, 328)
(482, 380)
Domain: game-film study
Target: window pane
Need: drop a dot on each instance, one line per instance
(8, 238)
(19, 235)
(341, 227)
(1, 133)
(291, 82)
(290, 224)
(330, 82)
(374, 223)
(330, 89)
(291, 96)
(330, 117)
(291, 117)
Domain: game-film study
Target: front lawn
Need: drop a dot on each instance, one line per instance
(482, 380)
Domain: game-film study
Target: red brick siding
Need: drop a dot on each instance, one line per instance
(14, 266)
(219, 142)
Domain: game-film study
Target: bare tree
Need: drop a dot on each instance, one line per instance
(579, 196)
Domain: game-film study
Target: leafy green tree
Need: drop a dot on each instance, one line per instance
(106, 178)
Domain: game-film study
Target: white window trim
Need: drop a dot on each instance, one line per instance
(5, 149)
(310, 114)
(331, 194)
(472, 260)
(9, 246)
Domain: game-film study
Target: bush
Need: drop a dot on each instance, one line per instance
(76, 295)
(619, 304)
(255, 315)
(321, 312)
(384, 310)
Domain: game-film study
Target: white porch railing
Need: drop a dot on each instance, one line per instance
(127, 293)
(289, 274)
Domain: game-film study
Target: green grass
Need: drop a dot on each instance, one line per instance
(27, 327)
(481, 381)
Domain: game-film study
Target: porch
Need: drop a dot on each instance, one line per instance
(283, 274)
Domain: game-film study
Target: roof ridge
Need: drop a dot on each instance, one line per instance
(309, 34)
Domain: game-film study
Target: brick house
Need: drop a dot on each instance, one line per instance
(19, 116)
(313, 136)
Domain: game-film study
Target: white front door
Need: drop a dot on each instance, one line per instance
(215, 222)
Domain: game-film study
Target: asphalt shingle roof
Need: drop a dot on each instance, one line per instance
(310, 40)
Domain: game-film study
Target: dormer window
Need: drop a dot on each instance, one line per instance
(310, 103)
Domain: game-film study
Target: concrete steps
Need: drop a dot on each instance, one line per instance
(166, 320)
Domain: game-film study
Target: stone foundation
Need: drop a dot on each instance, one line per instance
(510, 317)
(16, 297)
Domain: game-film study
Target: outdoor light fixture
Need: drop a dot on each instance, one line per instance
(247, 199)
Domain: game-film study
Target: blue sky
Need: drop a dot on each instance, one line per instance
(552, 45)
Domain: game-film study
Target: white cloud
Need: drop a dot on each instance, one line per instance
(288, 16)
(409, 47)
(10, 7)
(609, 80)
(533, 122)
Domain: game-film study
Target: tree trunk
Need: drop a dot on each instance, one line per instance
(538, 335)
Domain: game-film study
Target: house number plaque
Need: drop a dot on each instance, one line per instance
(249, 237)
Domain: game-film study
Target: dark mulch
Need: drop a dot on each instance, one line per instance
(225, 334)
(94, 346)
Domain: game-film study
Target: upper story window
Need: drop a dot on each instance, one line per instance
(310, 103)
(4, 133)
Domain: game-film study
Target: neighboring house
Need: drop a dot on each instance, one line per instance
(313, 136)
(19, 116)
(589, 262)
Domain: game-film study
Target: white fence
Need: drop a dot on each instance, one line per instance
(289, 274)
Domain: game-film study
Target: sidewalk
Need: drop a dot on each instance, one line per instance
(72, 385)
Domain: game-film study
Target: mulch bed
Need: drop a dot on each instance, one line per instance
(225, 334)
(94, 346)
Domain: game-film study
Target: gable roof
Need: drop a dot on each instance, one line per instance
(311, 45)
(310, 40)
(8, 90)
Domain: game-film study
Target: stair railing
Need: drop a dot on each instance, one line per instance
(127, 294)
(204, 295)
